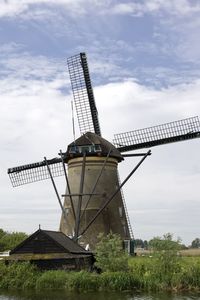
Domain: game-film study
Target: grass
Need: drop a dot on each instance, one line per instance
(144, 274)
(186, 252)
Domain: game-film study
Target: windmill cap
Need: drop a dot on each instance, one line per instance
(93, 139)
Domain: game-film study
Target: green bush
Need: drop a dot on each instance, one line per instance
(2, 232)
(3, 271)
(165, 272)
(18, 276)
(190, 275)
(165, 243)
(145, 274)
(109, 253)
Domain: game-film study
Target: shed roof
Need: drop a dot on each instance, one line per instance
(58, 237)
(69, 244)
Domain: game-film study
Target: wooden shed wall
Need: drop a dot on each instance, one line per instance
(76, 264)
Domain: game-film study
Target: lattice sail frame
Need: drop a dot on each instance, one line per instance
(157, 135)
(86, 110)
(35, 172)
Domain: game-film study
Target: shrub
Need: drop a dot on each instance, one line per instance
(190, 275)
(110, 255)
(18, 276)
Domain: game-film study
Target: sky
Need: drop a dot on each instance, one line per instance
(144, 60)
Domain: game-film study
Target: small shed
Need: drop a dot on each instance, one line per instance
(52, 250)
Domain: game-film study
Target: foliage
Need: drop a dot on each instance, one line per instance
(190, 274)
(83, 281)
(144, 274)
(166, 243)
(110, 255)
(2, 232)
(138, 243)
(167, 258)
(195, 243)
(72, 281)
(18, 276)
(182, 274)
(52, 280)
(9, 241)
(119, 281)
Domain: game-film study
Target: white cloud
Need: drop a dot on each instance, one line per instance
(12, 8)
(145, 106)
(128, 8)
(36, 8)
(31, 95)
(179, 8)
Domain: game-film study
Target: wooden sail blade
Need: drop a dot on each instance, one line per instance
(181, 130)
(35, 172)
(83, 94)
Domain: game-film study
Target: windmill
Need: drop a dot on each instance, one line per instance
(93, 200)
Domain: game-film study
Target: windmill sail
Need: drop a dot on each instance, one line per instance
(158, 135)
(83, 94)
(35, 172)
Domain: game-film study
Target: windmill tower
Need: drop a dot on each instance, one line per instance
(93, 177)
(93, 201)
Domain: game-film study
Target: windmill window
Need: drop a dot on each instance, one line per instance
(84, 149)
(97, 148)
(120, 212)
(67, 211)
(89, 149)
(127, 246)
(125, 229)
(73, 149)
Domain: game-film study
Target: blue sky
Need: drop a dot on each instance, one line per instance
(144, 59)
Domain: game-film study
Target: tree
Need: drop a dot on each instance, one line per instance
(2, 232)
(138, 243)
(145, 244)
(195, 243)
(110, 255)
(166, 243)
(10, 240)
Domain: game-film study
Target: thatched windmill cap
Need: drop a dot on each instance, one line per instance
(90, 138)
